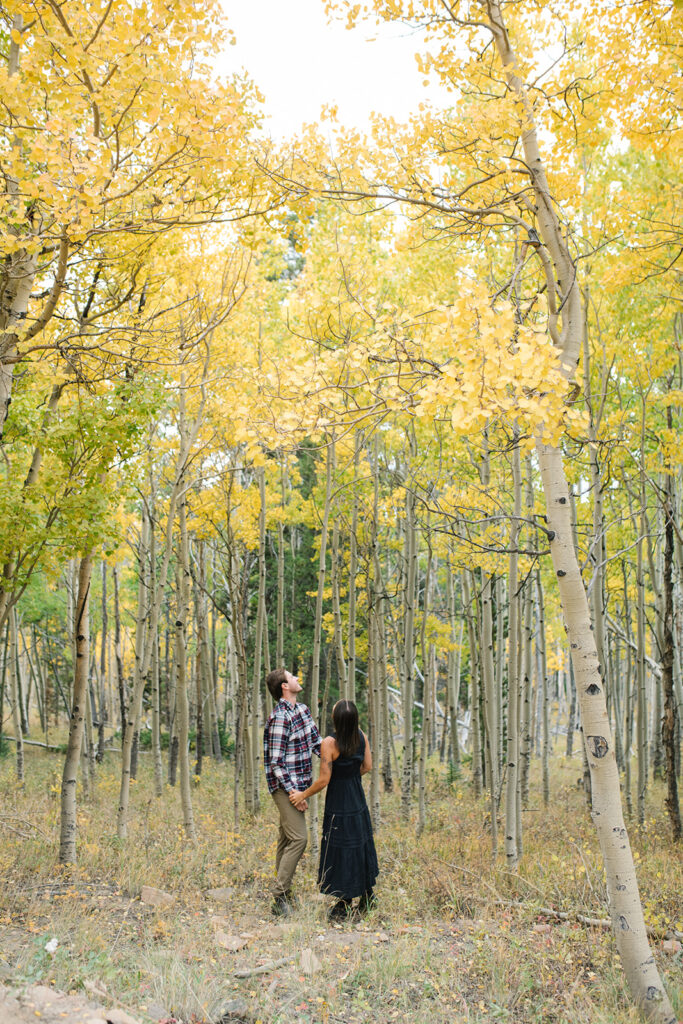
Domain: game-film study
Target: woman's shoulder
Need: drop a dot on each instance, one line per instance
(329, 744)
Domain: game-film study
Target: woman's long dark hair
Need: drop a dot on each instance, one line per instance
(345, 718)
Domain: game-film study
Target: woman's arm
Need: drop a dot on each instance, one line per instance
(327, 752)
(367, 758)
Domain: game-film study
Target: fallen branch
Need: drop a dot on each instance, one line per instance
(6, 819)
(33, 743)
(590, 922)
(272, 965)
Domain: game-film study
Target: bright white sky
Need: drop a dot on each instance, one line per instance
(300, 62)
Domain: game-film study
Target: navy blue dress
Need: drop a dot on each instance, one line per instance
(348, 859)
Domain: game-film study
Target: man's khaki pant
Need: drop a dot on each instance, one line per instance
(291, 843)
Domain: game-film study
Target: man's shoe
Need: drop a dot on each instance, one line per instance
(282, 905)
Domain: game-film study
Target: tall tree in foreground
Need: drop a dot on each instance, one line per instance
(507, 152)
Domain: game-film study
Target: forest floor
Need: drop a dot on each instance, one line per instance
(454, 937)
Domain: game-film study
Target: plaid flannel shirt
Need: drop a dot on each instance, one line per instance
(289, 739)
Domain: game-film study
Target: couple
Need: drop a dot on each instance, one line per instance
(348, 861)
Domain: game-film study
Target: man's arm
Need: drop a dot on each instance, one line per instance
(326, 759)
(277, 748)
(315, 737)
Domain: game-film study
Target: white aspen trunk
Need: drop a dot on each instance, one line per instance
(641, 677)
(387, 746)
(280, 627)
(512, 825)
(543, 684)
(105, 702)
(453, 679)
(426, 694)
(19, 270)
(155, 668)
(68, 826)
(182, 705)
(490, 711)
(15, 696)
(670, 722)
(342, 674)
(118, 655)
(156, 722)
(317, 626)
(374, 695)
(625, 907)
(172, 772)
(258, 646)
(408, 654)
(500, 704)
(628, 712)
(132, 713)
(475, 730)
(525, 710)
(353, 570)
(89, 790)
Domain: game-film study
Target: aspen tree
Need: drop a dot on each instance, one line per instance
(68, 827)
(427, 652)
(625, 907)
(670, 721)
(453, 671)
(544, 697)
(512, 820)
(317, 625)
(407, 657)
(15, 694)
(261, 626)
(353, 571)
(475, 725)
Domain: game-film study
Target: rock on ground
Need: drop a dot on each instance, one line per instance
(50, 1006)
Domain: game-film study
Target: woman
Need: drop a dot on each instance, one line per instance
(348, 860)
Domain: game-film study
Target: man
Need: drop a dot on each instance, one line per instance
(289, 739)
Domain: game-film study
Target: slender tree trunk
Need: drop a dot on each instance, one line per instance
(118, 655)
(408, 654)
(280, 635)
(526, 707)
(670, 719)
(453, 680)
(183, 599)
(475, 730)
(258, 645)
(427, 653)
(512, 824)
(641, 676)
(342, 674)
(11, 653)
(317, 626)
(103, 711)
(545, 699)
(67, 836)
(490, 711)
(353, 571)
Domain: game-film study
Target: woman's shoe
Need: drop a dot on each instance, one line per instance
(367, 902)
(341, 911)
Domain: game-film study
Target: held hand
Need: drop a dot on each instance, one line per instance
(295, 798)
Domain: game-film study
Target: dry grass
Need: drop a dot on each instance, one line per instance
(455, 937)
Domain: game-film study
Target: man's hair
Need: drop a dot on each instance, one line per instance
(274, 681)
